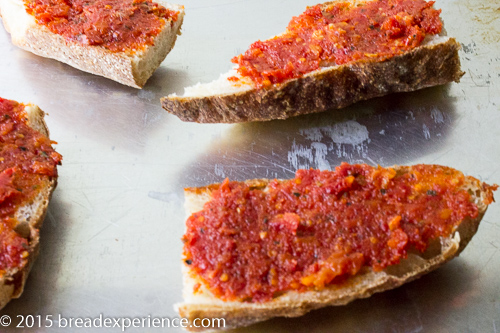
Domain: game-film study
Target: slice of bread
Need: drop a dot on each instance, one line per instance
(203, 304)
(29, 218)
(434, 62)
(132, 69)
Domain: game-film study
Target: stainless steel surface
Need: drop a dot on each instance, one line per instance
(111, 240)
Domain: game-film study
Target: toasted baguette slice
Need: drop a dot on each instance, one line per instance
(30, 217)
(203, 304)
(132, 69)
(434, 62)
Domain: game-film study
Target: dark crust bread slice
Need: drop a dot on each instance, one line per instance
(332, 88)
(364, 284)
(12, 283)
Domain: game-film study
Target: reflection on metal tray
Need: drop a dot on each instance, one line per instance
(111, 240)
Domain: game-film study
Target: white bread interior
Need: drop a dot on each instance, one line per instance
(129, 69)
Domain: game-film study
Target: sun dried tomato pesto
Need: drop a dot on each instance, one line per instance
(27, 162)
(118, 25)
(320, 227)
(338, 34)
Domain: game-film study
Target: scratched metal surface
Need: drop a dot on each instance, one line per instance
(111, 240)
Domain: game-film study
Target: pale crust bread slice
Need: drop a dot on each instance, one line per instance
(129, 69)
(30, 217)
(293, 304)
(435, 62)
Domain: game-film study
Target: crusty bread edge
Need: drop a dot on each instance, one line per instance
(132, 70)
(362, 285)
(326, 89)
(12, 283)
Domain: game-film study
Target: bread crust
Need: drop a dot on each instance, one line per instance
(362, 285)
(13, 281)
(131, 70)
(331, 88)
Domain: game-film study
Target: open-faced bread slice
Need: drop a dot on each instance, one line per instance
(28, 176)
(235, 98)
(128, 65)
(201, 301)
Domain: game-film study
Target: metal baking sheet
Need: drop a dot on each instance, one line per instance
(111, 240)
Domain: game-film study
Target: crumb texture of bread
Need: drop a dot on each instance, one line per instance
(203, 304)
(30, 217)
(131, 70)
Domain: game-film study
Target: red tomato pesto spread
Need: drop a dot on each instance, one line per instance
(320, 227)
(27, 162)
(336, 34)
(118, 25)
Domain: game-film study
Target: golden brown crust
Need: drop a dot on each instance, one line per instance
(132, 70)
(362, 285)
(12, 282)
(333, 88)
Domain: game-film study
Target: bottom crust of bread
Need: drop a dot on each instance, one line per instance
(331, 88)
